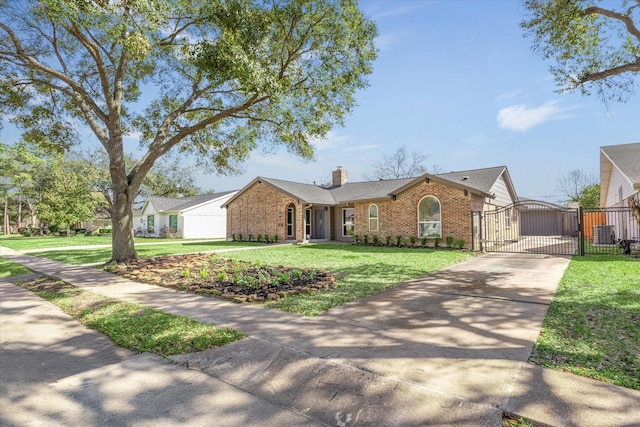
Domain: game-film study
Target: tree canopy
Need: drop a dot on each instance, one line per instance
(582, 187)
(595, 44)
(66, 197)
(213, 78)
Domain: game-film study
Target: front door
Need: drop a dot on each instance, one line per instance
(319, 217)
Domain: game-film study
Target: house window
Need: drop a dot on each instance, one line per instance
(290, 221)
(173, 223)
(347, 221)
(307, 223)
(429, 224)
(150, 224)
(507, 218)
(373, 218)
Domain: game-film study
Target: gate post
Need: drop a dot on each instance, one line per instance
(581, 230)
(480, 231)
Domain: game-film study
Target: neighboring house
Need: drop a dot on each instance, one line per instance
(425, 206)
(620, 188)
(102, 220)
(619, 174)
(188, 217)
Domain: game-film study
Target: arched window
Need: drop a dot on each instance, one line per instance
(429, 224)
(373, 218)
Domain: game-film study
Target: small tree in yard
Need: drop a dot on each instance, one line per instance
(66, 197)
(219, 78)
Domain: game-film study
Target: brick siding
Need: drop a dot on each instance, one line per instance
(255, 211)
(400, 216)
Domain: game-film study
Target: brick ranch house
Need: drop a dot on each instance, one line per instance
(425, 206)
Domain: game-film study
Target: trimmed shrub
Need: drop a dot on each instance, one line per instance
(449, 240)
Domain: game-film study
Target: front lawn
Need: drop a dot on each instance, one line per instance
(592, 327)
(10, 268)
(360, 270)
(20, 243)
(97, 255)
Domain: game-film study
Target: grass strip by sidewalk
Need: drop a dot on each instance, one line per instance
(592, 327)
(10, 268)
(97, 255)
(132, 326)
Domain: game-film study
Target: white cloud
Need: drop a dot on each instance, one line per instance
(523, 117)
(508, 95)
(384, 11)
(331, 141)
(361, 147)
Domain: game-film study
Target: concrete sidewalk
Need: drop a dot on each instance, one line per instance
(449, 348)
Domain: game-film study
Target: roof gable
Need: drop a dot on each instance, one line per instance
(166, 204)
(480, 179)
(626, 158)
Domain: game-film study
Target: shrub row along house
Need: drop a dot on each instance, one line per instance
(431, 206)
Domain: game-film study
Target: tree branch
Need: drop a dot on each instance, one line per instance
(625, 19)
(600, 75)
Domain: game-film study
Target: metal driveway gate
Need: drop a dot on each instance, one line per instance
(529, 226)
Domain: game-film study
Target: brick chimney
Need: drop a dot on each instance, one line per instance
(339, 177)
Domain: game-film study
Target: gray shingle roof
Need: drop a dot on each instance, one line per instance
(480, 179)
(163, 204)
(627, 158)
(306, 192)
(367, 190)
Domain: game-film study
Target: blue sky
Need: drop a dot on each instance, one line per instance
(457, 81)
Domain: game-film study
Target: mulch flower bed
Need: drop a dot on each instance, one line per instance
(239, 281)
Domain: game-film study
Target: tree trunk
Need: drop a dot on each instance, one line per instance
(19, 211)
(5, 220)
(123, 249)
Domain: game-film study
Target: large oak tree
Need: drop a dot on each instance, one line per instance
(595, 44)
(216, 78)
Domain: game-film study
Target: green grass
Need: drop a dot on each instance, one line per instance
(89, 256)
(10, 268)
(20, 243)
(360, 270)
(592, 327)
(132, 326)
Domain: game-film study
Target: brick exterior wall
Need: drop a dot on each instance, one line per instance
(255, 211)
(400, 216)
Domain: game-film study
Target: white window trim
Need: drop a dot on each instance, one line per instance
(429, 222)
(377, 217)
